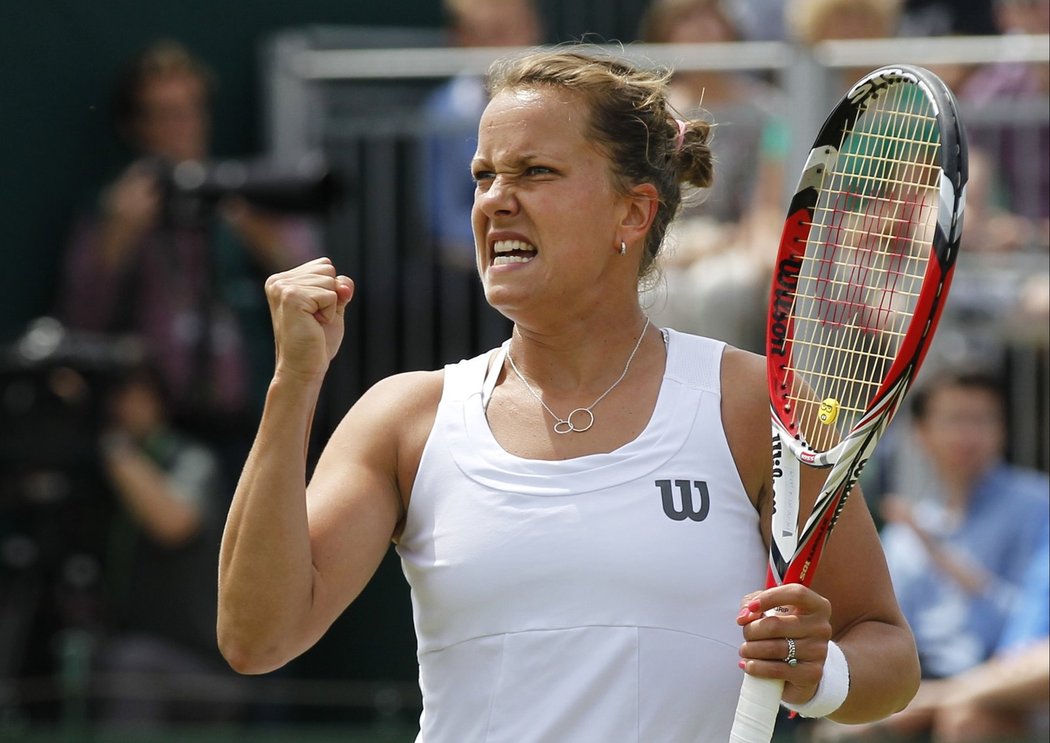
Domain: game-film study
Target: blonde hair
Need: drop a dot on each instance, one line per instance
(630, 120)
(806, 19)
(661, 17)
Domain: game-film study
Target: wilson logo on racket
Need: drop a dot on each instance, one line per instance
(783, 295)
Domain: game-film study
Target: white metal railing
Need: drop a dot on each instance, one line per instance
(305, 82)
(358, 64)
(808, 76)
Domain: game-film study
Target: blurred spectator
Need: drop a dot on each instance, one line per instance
(1019, 150)
(1006, 698)
(161, 565)
(452, 112)
(740, 105)
(813, 21)
(947, 17)
(1008, 194)
(991, 226)
(810, 22)
(186, 275)
(451, 115)
(717, 268)
(960, 554)
(759, 20)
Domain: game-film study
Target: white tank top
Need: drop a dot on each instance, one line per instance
(591, 600)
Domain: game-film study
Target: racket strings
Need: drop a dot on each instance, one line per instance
(865, 262)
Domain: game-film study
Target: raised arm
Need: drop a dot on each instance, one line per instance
(293, 558)
(851, 601)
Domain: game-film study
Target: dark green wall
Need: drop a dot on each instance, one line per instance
(57, 59)
(57, 62)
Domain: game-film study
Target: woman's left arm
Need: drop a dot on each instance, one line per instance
(866, 621)
(851, 603)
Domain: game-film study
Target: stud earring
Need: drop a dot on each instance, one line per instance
(623, 248)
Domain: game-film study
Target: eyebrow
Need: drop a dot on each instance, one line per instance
(519, 161)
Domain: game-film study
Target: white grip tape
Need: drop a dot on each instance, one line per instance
(756, 710)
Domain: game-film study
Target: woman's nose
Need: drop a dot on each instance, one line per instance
(498, 197)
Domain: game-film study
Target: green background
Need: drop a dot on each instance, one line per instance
(58, 59)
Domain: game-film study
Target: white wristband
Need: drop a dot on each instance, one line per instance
(833, 688)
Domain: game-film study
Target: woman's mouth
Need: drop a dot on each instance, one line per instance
(512, 251)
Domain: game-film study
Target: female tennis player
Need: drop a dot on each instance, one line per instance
(583, 513)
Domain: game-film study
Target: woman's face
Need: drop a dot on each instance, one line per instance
(545, 210)
(701, 25)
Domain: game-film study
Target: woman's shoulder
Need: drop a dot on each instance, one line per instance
(745, 394)
(406, 392)
(745, 415)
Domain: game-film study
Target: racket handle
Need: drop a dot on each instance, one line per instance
(756, 710)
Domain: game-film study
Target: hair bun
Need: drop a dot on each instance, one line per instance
(693, 153)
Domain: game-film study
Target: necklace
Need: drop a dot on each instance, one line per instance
(582, 416)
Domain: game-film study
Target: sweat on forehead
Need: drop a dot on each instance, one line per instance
(523, 110)
(556, 101)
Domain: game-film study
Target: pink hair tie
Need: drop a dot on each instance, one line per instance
(680, 139)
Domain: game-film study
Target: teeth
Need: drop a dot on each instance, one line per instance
(507, 246)
(501, 260)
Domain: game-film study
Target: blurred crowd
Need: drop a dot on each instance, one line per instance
(181, 279)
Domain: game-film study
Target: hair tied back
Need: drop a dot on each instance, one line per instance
(680, 139)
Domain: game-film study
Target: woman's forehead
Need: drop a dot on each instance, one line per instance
(544, 114)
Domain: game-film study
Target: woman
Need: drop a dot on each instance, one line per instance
(575, 575)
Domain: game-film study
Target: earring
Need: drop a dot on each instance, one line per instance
(623, 248)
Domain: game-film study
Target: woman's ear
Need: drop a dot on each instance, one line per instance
(642, 203)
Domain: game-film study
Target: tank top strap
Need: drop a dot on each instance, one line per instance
(694, 360)
(498, 356)
(471, 376)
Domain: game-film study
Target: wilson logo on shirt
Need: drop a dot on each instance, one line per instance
(685, 499)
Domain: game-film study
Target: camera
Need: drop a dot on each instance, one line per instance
(53, 386)
(193, 188)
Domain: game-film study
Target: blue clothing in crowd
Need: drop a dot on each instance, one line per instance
(1030, 620)
(1007, 516)
(452, 113)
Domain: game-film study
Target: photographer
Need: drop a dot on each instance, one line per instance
(185, 275)
(162, 549)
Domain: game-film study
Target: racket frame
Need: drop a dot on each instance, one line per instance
(794, 553)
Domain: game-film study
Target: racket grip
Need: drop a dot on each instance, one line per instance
(756, 710)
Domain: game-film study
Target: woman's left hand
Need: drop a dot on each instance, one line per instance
(796, 613)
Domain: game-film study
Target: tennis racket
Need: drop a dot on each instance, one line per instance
(861, 277)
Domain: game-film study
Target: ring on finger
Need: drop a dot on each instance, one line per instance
(791, 659)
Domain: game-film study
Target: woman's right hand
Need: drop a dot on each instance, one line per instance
(306, 306)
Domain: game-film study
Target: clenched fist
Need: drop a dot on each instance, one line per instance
(306, 306)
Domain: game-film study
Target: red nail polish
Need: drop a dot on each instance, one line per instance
(743, 613)
(742, 664)
(755, 605)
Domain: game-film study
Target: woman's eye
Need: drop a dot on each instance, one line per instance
(538, 170)
(482, 175)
